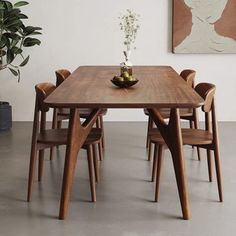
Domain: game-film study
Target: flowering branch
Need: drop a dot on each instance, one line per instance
(129, 25)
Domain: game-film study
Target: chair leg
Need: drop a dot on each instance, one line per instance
(102, 127)
(31, 173)
(191, 124)
(150, 151)
(100, 151)
(196, 126)
(91, 173)
(59, 124)
(218, 172)
(52, 151)
(40, 167)
(95, 163)
(98, 123)
(54, 126)
(148, 128)
(158, 171)
(154, 165)
(199, 153)
(209, 162)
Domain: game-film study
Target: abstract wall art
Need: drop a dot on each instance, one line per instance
(204, 26)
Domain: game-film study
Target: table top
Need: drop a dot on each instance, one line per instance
(90, 87)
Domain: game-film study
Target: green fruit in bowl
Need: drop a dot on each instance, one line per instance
(120, 79)
(131, 78)
(125, 75)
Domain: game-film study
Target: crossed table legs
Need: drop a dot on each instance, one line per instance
(78, 133)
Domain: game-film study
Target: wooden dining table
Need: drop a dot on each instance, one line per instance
(158, 87)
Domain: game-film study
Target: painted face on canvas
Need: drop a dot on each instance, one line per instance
(207, 10)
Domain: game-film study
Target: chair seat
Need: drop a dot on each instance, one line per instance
(64, 113)
(165, 112)
(196, 137)
(94, 137)
(190, 137)
(59, 136)
(53, 136)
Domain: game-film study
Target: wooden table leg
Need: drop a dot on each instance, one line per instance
(77, 134)
(173, 138)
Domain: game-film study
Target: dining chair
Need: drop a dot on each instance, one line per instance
(61, 114)
(43, 138)
(206, 139)
(185, 113)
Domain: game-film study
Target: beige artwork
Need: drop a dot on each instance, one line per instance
(204, 26)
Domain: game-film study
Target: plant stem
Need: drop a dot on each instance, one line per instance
(1, 31)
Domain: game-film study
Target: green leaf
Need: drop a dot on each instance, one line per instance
(8, 5)
(14, 23)
(13, 36)
(25, 61)
(18, 75)
(35, 33)
(12, 12)
(14, 42)
(14, 72)
(16, 50)
(29, 42)
(22, 16)
(20, 4)
(8, 44)
(30, 29)
(3, 41)
(10, 56)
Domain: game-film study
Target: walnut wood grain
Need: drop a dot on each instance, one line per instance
(90, 87)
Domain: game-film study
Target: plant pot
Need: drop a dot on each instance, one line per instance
(5, 116)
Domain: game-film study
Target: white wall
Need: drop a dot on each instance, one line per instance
(85, 32)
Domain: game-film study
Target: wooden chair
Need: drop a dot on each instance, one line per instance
(185, 113)
(207, 139)
(43, 138)
(63, 113)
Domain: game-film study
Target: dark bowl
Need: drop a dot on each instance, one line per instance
(125, 83)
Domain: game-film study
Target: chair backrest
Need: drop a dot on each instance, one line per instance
(189, 76)
(61, 75)
(43, 90)
(207, 92)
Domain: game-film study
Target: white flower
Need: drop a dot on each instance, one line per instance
(129, 25)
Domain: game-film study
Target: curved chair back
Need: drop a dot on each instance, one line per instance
(61, 75)
(189, 76)
(43, 90)
(207, 92)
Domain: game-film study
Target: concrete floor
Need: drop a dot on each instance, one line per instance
(124, 196)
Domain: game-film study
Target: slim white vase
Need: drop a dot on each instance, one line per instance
(127, 65)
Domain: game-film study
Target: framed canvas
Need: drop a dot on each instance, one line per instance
(204, 26)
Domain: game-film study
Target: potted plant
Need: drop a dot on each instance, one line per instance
(129, 25)
(14, 37)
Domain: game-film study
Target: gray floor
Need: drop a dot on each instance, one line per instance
(124, 196)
